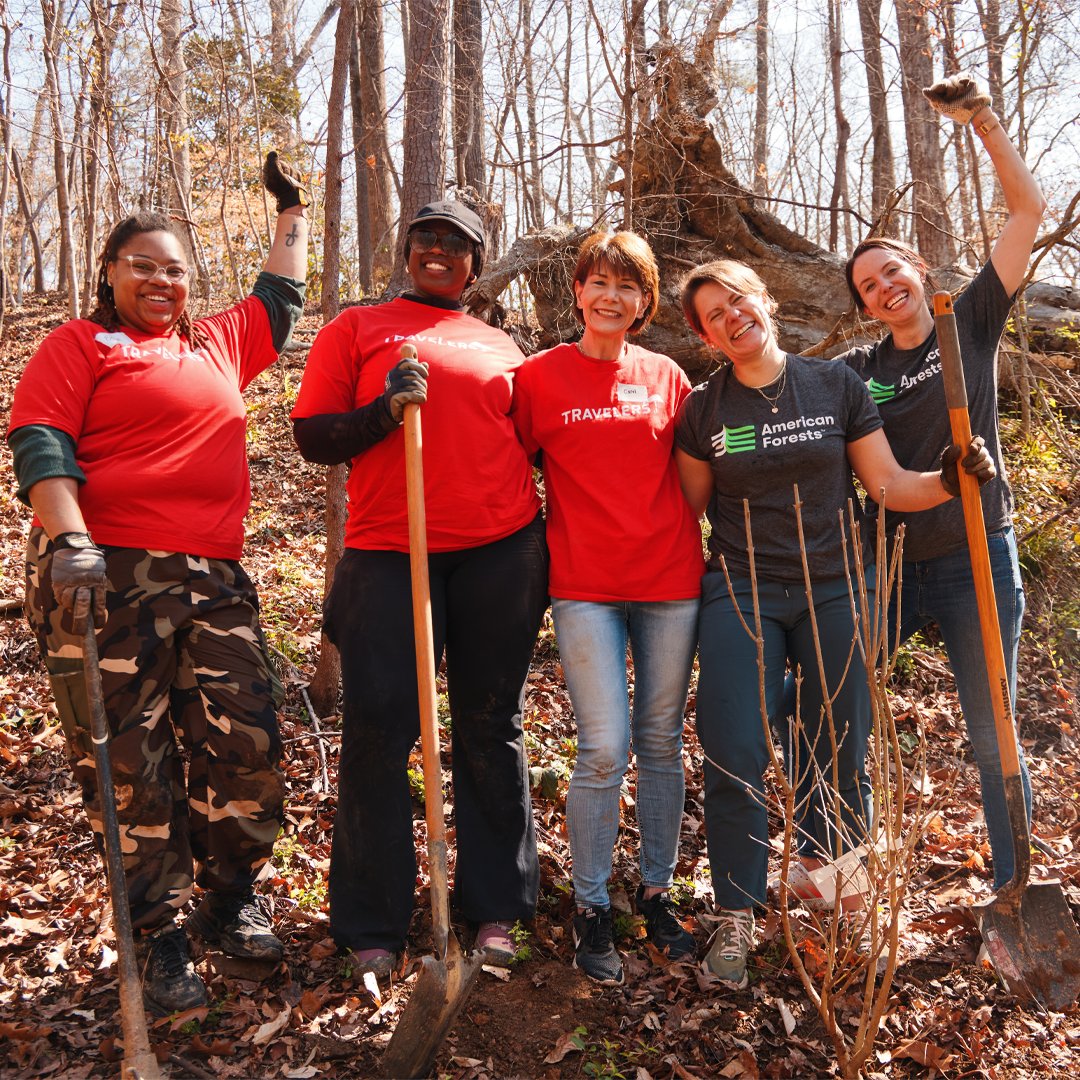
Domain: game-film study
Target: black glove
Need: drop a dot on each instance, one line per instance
(283, 182)
(959, 97)
(405, 384)
(977, 462)
(78, 572)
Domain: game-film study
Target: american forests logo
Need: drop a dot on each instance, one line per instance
(733, 440)
(880, 392)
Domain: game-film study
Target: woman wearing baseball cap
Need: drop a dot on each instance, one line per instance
(488, 569)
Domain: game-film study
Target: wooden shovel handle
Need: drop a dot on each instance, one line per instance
(425, 672)
(952, 371)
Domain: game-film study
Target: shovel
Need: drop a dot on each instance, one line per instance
(139, 1062)
(1027, 927)
(445, 978)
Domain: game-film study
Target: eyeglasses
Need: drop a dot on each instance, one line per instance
(453, 244)
(147, 269)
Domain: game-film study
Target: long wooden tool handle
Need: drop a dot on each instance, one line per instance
(139, 1059)
(952, 371)
(425, 672)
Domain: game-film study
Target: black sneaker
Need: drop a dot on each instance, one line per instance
(236, 924)
(662, 925)
(169, 980)
(594, 952)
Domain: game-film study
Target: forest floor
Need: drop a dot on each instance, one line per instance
(945, 1014)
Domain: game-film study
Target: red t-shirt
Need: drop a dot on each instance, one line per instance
(159, 428)
(478, 485)
(619, 527)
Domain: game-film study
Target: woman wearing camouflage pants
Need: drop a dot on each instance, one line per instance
(130, 426)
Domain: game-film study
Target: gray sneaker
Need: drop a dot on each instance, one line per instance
(594, 950)
(731, 945)
(237, 925)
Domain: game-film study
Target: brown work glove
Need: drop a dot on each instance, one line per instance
(977, 462)
(959, 97)
(283, 182)
(78, 579)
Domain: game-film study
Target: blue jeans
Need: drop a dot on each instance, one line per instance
(733, 733)
(592, 640)
(942, 590)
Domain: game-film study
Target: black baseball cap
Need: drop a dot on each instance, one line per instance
(457, 214)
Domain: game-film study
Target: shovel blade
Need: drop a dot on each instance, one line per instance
(440, 991)
(1033, 943)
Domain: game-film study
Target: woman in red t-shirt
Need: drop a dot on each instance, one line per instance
(130, 426)
(626, 566)
(488, 574)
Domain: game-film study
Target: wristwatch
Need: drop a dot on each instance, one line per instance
(78, 540)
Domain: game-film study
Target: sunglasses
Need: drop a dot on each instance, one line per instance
(146, 269)
(453, 244)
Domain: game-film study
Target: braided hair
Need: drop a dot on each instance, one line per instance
(146, 221)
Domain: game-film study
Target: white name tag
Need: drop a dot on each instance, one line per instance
(629, 392)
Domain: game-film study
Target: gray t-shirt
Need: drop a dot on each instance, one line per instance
(907, 386)
(759, 455)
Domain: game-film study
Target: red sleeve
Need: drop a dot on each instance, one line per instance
(242, 334)
(56, 386)
(521, 409)
(329, 382)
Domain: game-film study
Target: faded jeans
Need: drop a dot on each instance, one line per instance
(592, 638)
(942, 590)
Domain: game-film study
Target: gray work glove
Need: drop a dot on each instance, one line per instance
(77, 574)
(977, 462)
(283, 182)
(959, 97)
(405, 384)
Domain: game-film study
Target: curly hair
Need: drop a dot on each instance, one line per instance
(625, 254)
(146, 221)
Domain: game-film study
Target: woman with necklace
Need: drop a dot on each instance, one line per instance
(766, 421)
(626, 568)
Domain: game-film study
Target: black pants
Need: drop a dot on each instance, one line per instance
(487, 603)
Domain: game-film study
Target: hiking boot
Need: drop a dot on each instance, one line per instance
(237, 925)
(594, 952)
(168, 975)
(731, 946)
(494, 941)
(663, 926)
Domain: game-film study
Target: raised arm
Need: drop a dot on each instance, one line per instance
(963, 99)
(288, 252)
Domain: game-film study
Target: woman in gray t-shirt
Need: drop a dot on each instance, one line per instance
(887, 280)
(764, 423)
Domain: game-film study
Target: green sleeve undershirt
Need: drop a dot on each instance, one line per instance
(283, 298)
(41, 453)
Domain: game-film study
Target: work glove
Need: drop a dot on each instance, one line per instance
(977, 462)
(959, 97)
(405, 384)
(283, 182)
(78, 574)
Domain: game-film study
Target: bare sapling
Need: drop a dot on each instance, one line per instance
(845, 962)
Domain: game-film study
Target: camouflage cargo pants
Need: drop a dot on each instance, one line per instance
(183, 663)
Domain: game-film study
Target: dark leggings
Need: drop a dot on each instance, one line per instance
(486, 606)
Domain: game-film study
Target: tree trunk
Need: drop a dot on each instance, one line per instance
(382, 179)
(925, 160)
(324, 684)
(761, 101)
(68, 272)
(423, 172)
(30, 222)
(838, 199)
(364, 246)
(173, 107)
(883, 174)
(469, 98)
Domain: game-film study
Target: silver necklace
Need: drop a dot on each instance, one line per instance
(782, 379)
